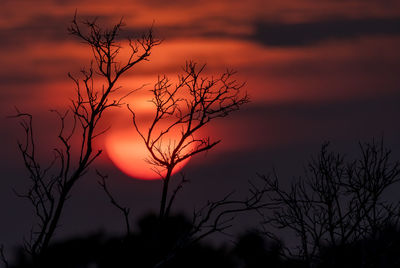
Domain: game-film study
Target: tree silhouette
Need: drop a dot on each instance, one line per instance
(337, 203)
(51, 183)
(187, 106)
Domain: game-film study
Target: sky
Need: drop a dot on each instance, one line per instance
(315, 71)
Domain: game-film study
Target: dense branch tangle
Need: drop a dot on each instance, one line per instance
(50, 187)
(186, 106)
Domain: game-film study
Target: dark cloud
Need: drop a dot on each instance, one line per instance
(282, 34)
(352, 119)
(175, 3)
(46, 28)
(309, 33)
(17, 79)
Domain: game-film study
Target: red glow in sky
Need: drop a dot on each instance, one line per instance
(288, 52)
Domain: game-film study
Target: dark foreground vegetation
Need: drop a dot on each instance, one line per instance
(150, 247)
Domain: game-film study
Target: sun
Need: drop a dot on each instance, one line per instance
(127, 151)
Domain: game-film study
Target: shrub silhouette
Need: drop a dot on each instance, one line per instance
(254, 251)
(338, 202)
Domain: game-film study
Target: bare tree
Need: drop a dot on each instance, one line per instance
(338, 202)
(51, 183)
(187, 106)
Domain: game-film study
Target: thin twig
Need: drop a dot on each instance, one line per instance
(125, 211)
(3, 257)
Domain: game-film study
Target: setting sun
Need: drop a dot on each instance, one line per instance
(128, 152)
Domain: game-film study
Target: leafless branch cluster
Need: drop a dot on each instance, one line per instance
(186, 106)
(218, 216)
(52, 183)
(338, 202)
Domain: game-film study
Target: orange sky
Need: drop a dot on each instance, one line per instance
(349, 57)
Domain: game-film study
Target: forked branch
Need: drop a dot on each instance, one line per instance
(125, 210)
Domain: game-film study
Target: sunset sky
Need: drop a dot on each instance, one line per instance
(315, 71)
